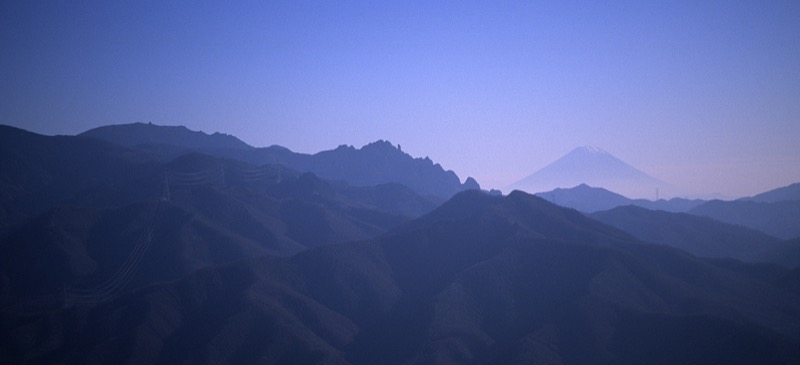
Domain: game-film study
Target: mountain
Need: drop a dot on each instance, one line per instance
(786, 193)
(592, 166)
(138, 256)
(96, 247)
(699, 236)
(775, 212)
(780, 219)
(585, 198)
(38, 171)
(589, 199)
(481, 279)
(377, 163)
(111, 222)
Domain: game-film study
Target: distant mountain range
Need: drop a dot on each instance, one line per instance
(593, 166)
(589, 199)
(157, 253)
(700, 236)
(376, 163)
(763, 212)
(780, 218)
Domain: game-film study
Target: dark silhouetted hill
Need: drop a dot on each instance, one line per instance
(481, 279)
(141, 134)
(787, 254)
(699, 236)
(38, 171)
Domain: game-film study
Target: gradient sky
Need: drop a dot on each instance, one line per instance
(704, 95)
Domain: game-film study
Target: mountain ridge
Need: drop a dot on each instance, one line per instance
(589, 199)
(698, 235)
(379, 162)
(207, 259)
(139, 134)
(482, 279)
(39, 171)
(193, 212)
(780, 219)
(789, 192)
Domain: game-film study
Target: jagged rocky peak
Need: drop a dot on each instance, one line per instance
(382, 145)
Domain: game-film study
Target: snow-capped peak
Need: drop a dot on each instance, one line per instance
(594, 149)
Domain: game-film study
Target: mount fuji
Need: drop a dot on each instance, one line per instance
(593, 166)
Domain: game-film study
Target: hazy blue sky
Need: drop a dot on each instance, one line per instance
(700, 94)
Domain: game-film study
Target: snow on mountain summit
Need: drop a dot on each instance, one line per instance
(594, 166)
(592, 149)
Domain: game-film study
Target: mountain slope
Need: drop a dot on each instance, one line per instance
(787, 254)
(481, 279)
(593, 166)
(780, 219)
(140, 134)
(699, 236)
(38, 171)
(194, 212)
(790, 192)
